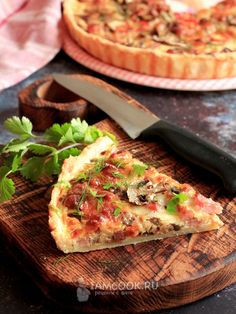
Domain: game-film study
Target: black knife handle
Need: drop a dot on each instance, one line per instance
(196, 150)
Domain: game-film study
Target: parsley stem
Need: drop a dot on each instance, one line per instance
(65, 148)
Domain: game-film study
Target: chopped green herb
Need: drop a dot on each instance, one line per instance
(99, 202)
(139, 169)
(78, 213)
(82, 176)
(117, 174)
(142, 183)
(94, 193)
(98, 167)
(82, 198)
(116, 211)
(119, 164)
(180, 198)
(107, 186)
(155, 198)
(123, 183)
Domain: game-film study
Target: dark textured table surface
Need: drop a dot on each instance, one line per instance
(212, 115)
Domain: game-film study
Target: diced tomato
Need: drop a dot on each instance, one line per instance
(93, 28)
(75, 233)
(108, 197)
(186, 18)
(71, 200)
(89, 209)
(108, 170)
(92, 226)
(184, 213)
(152, 206)
(71, 222)
(172, 51)
(95, 182)
(131, 231)
(143, 26)
(220, 37)
(123, 28)
(186, 187)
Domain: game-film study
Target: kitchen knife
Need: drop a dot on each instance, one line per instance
(138, 121)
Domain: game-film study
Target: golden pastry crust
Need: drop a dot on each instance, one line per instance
(155, 62)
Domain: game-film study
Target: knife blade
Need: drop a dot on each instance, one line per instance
(138, 121)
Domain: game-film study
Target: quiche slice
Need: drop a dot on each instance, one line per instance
(146, 36)
(106, 198)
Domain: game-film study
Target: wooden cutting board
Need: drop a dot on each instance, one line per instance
(144, 277)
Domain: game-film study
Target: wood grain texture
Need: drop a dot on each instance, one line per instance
(45, 102)
(185, 268)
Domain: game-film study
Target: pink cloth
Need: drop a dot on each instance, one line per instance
(29, 37)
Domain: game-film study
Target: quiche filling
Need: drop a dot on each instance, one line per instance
(152, 24)
(120, 197)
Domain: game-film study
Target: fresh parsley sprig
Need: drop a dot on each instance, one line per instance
(27, 155)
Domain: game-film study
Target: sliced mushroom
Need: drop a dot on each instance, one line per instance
(169, 40)
(231, 20)
(144, 192)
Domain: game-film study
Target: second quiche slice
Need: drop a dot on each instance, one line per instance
(106, 198)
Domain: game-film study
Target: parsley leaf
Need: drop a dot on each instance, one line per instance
(67, 137)
(33, 168)
(79, 129)
(16, 162)
(15, 145)
(56, 131)
(51, 166)
(139, 169)
(64, 154)
(180, 198)
(7, 187)
(40, 149)
(22, 127)
(92, 134)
